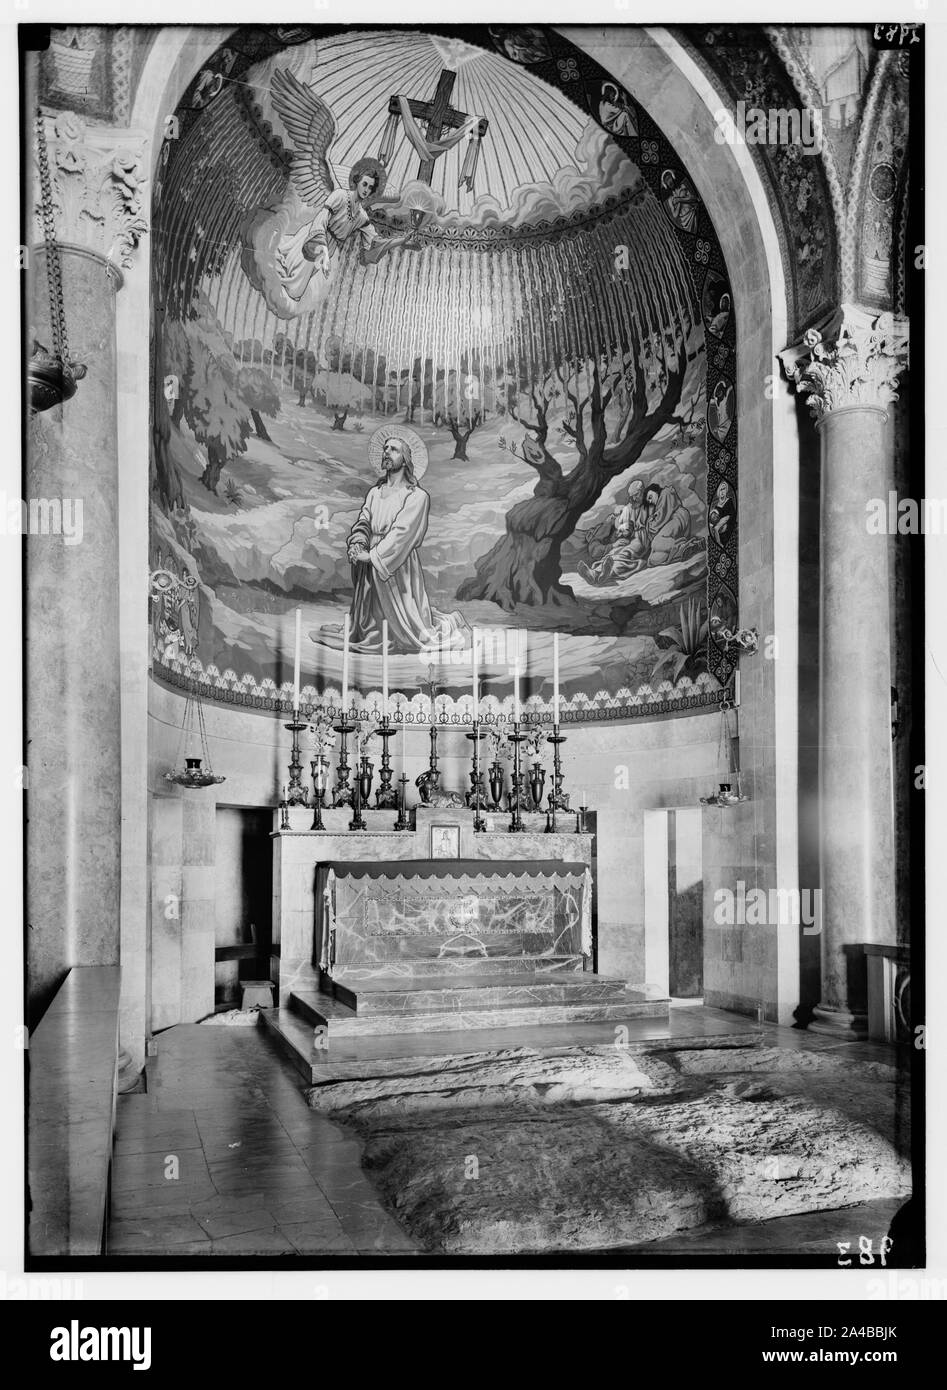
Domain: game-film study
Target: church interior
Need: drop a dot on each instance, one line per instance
(473, 695)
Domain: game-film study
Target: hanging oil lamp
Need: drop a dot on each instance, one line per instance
(190, 770)
(52, 375)
(729, 791)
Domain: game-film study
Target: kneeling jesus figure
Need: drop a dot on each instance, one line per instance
(386, 567)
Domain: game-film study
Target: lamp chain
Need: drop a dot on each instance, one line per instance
(205, 750)
(53, 264)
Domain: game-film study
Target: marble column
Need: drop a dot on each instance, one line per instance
(73, 681)
(849, 375)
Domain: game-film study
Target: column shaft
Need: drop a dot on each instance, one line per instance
(72, 644)
(849, 371)
(857, 857)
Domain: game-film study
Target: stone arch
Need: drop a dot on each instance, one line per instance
(682, 99)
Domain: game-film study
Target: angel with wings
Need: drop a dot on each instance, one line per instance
(302, 254)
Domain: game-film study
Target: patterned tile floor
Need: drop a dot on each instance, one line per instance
(223, 1156)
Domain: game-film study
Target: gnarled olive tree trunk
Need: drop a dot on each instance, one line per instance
(524, 566)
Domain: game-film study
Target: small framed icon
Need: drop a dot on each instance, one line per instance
(445, 841)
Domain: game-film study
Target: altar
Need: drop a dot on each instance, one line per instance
(412, 917)
(375, 937)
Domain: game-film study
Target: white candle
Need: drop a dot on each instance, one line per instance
(345, 665)
(555, 678)
(516, 693)
(404, 746)
(299, 619)
(473, 685)
(384, 668)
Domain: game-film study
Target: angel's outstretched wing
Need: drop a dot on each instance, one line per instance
(309, 122)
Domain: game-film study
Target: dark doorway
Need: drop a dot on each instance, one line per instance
(244, 898)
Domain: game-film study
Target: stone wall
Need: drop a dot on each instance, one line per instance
(624, 770)
(183, 852)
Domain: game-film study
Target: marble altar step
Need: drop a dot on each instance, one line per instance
(339, 1020)
(451, 993)
(411, 968)
(354, 1058)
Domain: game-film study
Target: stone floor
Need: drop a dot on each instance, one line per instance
(223, 1155)
(256, 1172)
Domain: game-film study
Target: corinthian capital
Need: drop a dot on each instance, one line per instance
(97, 179)
(854, 360)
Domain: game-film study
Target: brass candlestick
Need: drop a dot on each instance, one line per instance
(296, 795)
(386, 797)
(433, 772)
(516, 819)
(358, 820)
(402, 823)
(558, 800)
(475, 797)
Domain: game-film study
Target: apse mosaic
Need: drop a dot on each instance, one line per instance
(443, 346)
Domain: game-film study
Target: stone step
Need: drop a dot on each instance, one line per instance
(295, 1037)
(378, 1055)
(340, 1021)
(452, 994)
(410, 969)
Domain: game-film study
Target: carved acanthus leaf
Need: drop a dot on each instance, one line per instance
(855, 360)
(98, 179)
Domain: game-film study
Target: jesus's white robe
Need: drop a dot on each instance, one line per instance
(390, 527)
